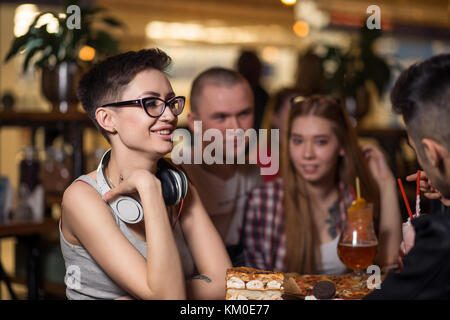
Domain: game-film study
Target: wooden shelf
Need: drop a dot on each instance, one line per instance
(12, 118)
(52, 198)
(10, 229)
(49, 287)
(70, 124)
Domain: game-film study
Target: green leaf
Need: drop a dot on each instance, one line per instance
(92, 11)
(28, 57)
(48, 51)
(104, 43)
(66, 43)
(113, 22)
(17, 45)
(34, 43)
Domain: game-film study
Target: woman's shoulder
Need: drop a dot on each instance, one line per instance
(79, 191)
(270, 188)
(80, 200)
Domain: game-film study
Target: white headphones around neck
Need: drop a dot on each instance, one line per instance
(174, 185)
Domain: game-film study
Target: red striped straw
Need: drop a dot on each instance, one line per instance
(352, 190)
(418, 194)
(404, 197)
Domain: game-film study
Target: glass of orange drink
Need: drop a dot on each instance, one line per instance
(358, 243)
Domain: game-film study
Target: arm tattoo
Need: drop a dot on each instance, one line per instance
(333, 220)
(200, 277)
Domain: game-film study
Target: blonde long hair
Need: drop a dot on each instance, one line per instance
(301, 234)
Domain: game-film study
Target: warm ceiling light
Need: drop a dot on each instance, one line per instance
(289, 2)
(270, 54)
(301, 28)
(23, 17)
(86, 53)
(50, 20)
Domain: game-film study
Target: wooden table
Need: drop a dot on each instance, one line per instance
(30, 232)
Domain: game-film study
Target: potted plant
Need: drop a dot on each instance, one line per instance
(62, 55)
(352, 70)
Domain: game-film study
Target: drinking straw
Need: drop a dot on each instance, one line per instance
(352, 190)
(404, 197)
(418, 194)
(358, 189)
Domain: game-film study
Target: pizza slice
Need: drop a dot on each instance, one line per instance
(347, 286)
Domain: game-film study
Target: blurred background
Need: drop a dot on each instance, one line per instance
(315, 46)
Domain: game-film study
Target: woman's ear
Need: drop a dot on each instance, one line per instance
(106, 120)
(342, 152)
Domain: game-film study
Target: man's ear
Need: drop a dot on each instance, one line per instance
(434, 152)
(106, 119)
(192, 116)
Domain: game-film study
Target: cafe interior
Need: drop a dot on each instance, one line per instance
(47, 140)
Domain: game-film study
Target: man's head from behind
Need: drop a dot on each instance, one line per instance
(222, 99)
(422, 96)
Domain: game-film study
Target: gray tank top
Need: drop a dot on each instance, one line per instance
(85, 279)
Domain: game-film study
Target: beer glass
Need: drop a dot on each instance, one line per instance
(358, 243)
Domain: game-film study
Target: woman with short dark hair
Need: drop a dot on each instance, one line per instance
(124, 231)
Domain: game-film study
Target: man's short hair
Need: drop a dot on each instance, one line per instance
(214, 76)
(106, 81)
(422, 95)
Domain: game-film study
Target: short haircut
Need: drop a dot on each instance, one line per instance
(106, 80)
(422, 95)
(214, 76)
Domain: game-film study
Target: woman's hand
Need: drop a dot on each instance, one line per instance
(427, 188)
(138, 181)
(377, 165)
(114, 253)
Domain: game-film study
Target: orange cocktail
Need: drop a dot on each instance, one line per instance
(357, 245)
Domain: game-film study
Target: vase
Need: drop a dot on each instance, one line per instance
(59, 86)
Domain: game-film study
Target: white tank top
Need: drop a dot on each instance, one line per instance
(330, 262)
(93, 282)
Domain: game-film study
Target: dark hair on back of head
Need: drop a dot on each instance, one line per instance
(106, 80)
(422, 95)
(216, 76)
(422, 86)
(250, 66)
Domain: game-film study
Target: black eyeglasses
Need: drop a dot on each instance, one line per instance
(154, 106)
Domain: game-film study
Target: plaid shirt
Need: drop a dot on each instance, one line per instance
(264, 237)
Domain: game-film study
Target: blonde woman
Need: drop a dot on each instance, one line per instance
(293, 223)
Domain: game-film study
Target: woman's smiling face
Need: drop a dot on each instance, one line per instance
(138, 130)
(314, 148)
